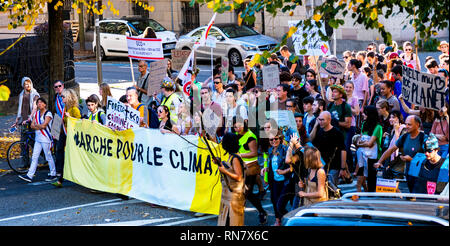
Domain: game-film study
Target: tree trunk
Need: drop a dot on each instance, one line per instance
(81, 27)
(56, 49)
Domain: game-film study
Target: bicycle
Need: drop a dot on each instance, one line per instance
(20, 152)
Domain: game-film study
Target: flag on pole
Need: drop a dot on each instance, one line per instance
(202, 41)
(185, 74)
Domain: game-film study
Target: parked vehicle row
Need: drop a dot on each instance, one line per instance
(233, 41)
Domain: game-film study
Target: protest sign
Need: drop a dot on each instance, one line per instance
(386, 185)
(173, 173)
(179, 57)
(423, 89)
(315, 46)
(334, 68)
(145, 48)
(157, 72)
(56, 126)
(271, 77)
(120, 116)
(225, 66)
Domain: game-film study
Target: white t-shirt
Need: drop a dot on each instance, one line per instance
(39, 136)
(229, 113)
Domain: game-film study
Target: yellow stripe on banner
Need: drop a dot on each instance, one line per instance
(208, 187)
(89, 159)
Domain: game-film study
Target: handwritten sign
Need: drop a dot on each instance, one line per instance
(145, 48)
(120, 116)
(179, 57)
(422, 89)
(271, 77)
(334, 68)
(315, 46)
(157, 72)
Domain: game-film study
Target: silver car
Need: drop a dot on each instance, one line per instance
(233, 41)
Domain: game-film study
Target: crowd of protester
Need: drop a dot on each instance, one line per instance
(346, 128)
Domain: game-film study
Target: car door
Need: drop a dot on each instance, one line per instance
(221, 44)
(121, 37)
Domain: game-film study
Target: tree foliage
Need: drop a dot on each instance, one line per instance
(427, 17)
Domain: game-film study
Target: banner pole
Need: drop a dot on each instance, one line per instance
(212, 66)
(131, 68)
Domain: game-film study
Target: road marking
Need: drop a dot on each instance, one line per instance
(58, 210)
(135, 222)
(121, 203)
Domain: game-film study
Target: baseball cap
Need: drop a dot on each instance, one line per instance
(432, 142)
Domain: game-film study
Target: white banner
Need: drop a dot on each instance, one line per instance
(145, 48)
(120, 116)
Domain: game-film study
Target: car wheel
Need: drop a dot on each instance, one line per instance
(102, 53)
(235, 58)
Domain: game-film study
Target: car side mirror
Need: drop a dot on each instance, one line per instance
(221, 38)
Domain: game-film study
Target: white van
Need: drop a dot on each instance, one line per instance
(113, 35)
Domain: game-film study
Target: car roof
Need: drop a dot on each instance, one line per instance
(381, 205)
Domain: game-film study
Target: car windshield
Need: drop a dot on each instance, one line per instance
(235, 31)
(138, 26)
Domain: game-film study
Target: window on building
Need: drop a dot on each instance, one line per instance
(191, 17)
(138, 10)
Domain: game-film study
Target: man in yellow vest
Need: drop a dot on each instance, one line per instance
(171, 100)
(248, 150)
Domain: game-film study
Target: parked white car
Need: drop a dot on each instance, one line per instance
(113, 35)
(233, 41)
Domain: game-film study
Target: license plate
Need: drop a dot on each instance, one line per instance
(169, 46)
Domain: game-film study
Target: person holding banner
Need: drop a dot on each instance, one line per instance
(105, 92)
(70, 100)
(41, 122)
(165, 125)
(440, 129)
(232, 203)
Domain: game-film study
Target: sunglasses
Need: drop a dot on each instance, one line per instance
(289, 106)
(272, 139)
(408, 49)
(345, 57)
(217, 82)
(57, 86)
(429, 150)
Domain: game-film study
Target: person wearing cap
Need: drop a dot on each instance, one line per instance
(340, 110)
(443, 47)
(27, 101)
(430, 169)
(171, 100)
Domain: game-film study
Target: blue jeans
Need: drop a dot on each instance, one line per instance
(333, 178)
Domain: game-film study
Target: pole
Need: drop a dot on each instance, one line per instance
(334, 42)
(97, 53)
(171, 12)
(131, 68)
(212, 66)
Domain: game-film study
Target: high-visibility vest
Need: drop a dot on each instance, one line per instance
(243, 140)
(168, 102)
(96, 117)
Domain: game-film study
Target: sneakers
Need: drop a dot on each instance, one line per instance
(262, 218)
(51, 178)
(26, 178)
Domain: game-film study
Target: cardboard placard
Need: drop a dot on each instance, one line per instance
(271, 77)
(157, 72)
(179, 58)
(423, 89)
(56, 126)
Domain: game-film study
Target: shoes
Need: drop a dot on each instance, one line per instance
(50, 178)
(262, 218)
(57, 184)
(26, 178)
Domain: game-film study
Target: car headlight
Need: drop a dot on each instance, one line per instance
(249, 47)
